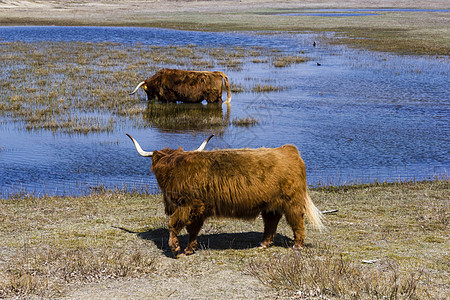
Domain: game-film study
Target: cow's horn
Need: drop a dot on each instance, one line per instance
(139, 149)
(135, 90)
(203, 145)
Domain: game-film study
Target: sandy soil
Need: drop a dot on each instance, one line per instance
(215, 284)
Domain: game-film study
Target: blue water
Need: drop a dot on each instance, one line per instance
(358, 117)
(133, 35)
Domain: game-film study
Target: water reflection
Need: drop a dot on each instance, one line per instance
(186, 117)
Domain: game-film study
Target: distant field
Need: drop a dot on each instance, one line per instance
(419, 30)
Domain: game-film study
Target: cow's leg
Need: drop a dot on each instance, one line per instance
(177, 222)
(295, 218)
(193, 229)
(271, 219)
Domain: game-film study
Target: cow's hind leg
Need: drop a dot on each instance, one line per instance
(271, 219)
(193, 229)
(295, 218)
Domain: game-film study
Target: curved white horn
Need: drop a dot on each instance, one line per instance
(135, 90)
(139, 149)
(203, 145)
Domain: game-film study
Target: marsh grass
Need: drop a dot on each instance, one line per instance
(75, 87)
(286, 61)
(266, 88)
(53, 245)
(245, 122)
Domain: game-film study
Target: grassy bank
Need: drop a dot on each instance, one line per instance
(415, 32)
(66, 246)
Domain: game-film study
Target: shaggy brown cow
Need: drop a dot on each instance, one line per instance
(236, 183)
(172, 85)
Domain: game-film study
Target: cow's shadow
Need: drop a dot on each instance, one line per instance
(216, 241)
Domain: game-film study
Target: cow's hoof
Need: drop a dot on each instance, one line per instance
(188, 252)
(263, 246)
(176, 252)
(297, 247)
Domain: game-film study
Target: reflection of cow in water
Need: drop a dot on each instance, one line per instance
(235, 183)
(172, 85)
(187, 116)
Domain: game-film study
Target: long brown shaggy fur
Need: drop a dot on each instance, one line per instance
(172, 85)
(237, 183)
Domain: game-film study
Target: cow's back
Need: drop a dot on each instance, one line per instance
(235, 182)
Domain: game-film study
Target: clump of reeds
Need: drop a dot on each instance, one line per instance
(286, 61)
(245, 122)
(236, 88)
(265, 88)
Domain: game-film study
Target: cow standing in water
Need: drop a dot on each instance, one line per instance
(234, 183)
(172, 85)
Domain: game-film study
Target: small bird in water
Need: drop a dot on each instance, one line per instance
(314, 44)
(319, 64)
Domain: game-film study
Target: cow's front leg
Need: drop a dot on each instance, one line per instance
(193, 229)
(176, 223)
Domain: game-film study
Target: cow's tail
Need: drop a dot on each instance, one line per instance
(227, 85)
(313, 214)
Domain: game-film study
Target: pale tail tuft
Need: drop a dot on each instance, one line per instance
(313, 214)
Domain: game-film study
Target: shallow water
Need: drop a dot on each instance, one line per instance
(358, 117)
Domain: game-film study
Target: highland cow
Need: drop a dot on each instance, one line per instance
(234, 183)
(172, 85)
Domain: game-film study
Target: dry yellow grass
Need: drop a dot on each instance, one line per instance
(84, 246)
